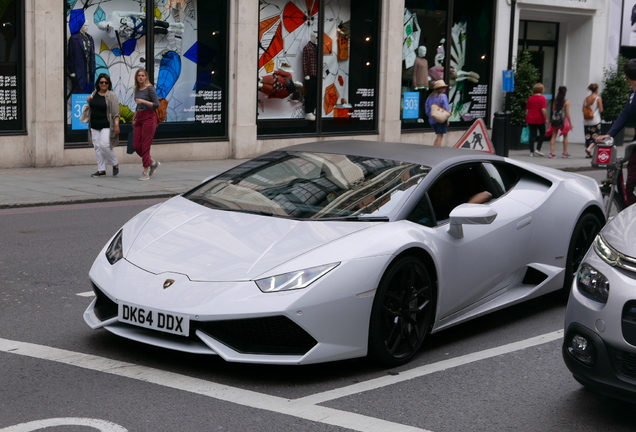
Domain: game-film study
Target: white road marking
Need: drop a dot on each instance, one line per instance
(100, 425)
(306, 408)
(86, 294)
(430, 368)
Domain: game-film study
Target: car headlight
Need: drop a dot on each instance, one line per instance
(605, 251)
(294, 280)
(114, 251)
(592, 283)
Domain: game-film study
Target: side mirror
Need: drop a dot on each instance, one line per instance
(470, 214)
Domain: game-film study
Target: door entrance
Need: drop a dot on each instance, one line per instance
(540, 38)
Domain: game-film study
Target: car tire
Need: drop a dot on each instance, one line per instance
(402, 311)
(586, 229)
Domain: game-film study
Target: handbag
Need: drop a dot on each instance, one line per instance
(85, 117)
(130, 149)
(588, 112)
(439, 114)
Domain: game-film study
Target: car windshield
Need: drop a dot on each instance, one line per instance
(305, 185)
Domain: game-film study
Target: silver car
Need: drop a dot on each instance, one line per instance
(333, 250)
(599, 345)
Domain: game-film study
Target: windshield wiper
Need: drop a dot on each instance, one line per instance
(256, 212)
(358, 218)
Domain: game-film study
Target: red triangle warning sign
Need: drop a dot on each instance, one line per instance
(476, 138)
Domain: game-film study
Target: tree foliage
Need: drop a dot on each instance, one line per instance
(616, 90)
(526, 76)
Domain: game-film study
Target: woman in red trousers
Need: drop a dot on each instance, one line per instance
(145, 122)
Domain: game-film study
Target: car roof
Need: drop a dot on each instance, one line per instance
(405, 152)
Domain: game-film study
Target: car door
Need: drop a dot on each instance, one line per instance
(489, 258)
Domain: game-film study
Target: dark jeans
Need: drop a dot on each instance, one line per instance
(311, 97)
(537, 133)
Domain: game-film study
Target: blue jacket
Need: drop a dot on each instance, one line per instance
(629, 112)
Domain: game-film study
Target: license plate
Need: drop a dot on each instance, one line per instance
(154, 319)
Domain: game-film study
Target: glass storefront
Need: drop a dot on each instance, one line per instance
(12, 85)
(317, 66)
(429, 35)
(188, 60)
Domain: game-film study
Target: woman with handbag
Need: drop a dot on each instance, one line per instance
(592, 109)
(437, 110)
(102, 114)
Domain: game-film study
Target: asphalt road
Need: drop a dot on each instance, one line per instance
(503, 372)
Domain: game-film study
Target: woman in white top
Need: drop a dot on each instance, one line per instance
(593, 125)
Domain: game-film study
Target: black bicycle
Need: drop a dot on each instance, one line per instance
(613, 186)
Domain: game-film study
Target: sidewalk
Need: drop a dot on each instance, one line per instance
(23, 187)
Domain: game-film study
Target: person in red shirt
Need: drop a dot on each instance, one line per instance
(536, 118)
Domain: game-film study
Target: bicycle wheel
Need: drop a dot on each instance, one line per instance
(617, 204)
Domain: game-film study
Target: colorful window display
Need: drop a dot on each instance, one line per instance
(428, 36)
(187, 60)
(317, 66)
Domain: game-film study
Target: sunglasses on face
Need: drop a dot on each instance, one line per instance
(103, 82)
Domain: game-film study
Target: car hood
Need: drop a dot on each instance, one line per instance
(620, 232)
(214, 245)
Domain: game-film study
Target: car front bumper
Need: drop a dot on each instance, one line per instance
(608, 329)
(604, 375)
(235, 320)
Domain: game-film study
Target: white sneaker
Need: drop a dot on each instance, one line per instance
(531, 154)
(153, 168)
(144, 176)
(538, 153)
(310, 116)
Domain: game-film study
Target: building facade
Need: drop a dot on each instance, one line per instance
(245, 77)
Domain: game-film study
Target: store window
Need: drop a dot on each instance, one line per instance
(457, 50)
(188, 62)
(318, 66)
(12, 84)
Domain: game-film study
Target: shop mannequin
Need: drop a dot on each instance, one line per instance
(80, 61)
(437, 71)
(279, 84)
(420, 79)
(310, 71)
(420, 70)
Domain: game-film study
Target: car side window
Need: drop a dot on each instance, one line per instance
(502, 176)
(457, 186)
(422, 213)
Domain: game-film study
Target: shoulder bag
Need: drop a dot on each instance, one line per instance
(588, 112)
(441, 115)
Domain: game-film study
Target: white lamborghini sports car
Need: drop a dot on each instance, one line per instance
(342, 249)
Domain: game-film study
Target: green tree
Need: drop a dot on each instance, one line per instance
(526, 76)
(616, 90)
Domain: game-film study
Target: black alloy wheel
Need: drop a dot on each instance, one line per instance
(584, 234)
(402, 312)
